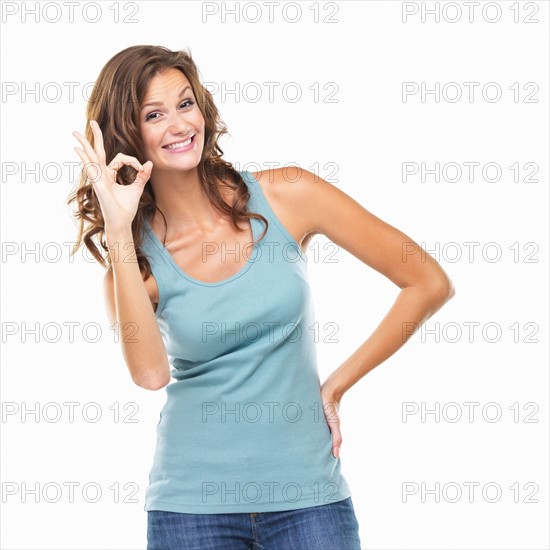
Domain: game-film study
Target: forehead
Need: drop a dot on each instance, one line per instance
(169, 81)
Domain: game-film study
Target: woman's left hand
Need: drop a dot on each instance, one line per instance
(331, 404)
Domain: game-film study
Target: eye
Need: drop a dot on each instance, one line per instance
(189, 103)
(148, 117)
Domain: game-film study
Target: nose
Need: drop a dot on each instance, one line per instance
(178, 125)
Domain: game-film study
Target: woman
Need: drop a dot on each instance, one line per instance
(248, 441)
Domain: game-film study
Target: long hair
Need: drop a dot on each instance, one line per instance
(115, 104)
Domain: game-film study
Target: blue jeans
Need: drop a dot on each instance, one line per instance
(325, 527)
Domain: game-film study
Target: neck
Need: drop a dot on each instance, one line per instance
(180, 197)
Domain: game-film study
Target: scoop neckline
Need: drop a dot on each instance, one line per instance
(248, 264)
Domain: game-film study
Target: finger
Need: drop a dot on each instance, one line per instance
(82, 156)
(91, 159)
(333, 421)
(336, 438)
(85, 160)
(91, 169)
(143, 176)
(118, 162)
(122, 159)
(98, 141)
(92, 155)
(331, 411)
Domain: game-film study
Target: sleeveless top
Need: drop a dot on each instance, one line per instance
(242, 428)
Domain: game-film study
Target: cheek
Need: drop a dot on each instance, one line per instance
(150, 139)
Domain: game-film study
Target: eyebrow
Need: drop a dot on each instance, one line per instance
(158, 103)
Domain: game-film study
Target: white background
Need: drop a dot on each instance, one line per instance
(369, 51)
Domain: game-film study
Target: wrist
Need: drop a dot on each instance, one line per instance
(332, 389)
(118, 234)
(120, 243)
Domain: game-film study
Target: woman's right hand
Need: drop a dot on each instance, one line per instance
(118, 202)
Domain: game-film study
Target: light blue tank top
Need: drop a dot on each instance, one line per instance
(242, 429)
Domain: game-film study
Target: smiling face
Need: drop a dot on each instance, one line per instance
(168, 110)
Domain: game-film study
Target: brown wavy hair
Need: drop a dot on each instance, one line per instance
(115, 103)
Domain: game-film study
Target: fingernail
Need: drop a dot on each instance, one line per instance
(336, 452)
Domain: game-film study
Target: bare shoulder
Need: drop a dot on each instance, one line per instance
(320, 207)
(286, 189)
(323, 207)
(301, 192)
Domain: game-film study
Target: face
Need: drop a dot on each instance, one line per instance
(168, 109)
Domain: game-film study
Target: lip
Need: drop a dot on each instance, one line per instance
(181, 149)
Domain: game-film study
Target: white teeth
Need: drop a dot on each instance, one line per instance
(179, 145)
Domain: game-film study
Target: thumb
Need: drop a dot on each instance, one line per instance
(143, 176)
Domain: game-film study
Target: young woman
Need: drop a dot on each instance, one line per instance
(207, 279)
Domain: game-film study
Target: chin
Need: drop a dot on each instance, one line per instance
(185, 165)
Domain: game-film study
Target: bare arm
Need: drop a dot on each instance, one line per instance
(126, 296)
(128, 304)
(425, 287)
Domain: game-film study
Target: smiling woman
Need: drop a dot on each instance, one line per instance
(248, 440)
(165, 141)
